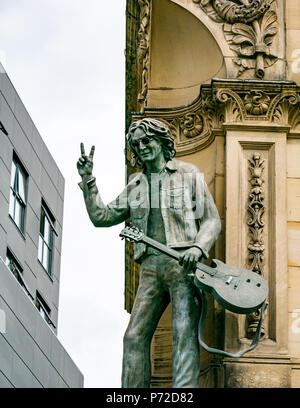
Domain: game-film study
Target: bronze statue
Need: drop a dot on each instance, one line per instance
(169, 200)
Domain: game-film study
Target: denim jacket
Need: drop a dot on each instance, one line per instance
(188, 211)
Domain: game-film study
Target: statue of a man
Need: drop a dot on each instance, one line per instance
(168, 200)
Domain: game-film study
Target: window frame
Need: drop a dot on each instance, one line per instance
(14, 266)
(15, 198)
(46, 215)
(40, 303)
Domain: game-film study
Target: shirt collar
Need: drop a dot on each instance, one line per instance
(171, 166)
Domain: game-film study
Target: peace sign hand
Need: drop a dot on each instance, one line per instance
(85, 163)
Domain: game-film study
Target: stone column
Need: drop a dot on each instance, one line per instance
(257, 117)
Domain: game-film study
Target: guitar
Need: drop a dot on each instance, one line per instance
(236, 289)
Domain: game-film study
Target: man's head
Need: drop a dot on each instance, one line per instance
(148, 137)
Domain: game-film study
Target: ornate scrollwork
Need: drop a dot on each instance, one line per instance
(191, 125)
(234, 107)
(143, 51)
(228, 102)
(256, 210)
(265, 103)
(284, 106)
(244, 11)
(256, 102)
(250, 27)
(256, 224)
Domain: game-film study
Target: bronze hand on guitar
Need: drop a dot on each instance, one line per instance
(237, 289)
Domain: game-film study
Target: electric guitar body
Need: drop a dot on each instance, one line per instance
(236, 289)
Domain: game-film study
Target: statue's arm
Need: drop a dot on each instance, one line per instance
(210, 223)
(100, 214)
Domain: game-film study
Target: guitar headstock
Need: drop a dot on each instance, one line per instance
(132, 234)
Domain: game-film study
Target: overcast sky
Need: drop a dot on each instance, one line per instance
(66, 61)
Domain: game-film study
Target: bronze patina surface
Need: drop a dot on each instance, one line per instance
(170, 201)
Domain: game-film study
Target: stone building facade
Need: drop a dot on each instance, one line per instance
(225, 76)
(31, 219)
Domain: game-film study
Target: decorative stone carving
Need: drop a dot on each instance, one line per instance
(266, 103)
(252, 43)
(256, 210)
(194, 127)
(244, 11)
(256, 102)
(143, 51)
(131, 72)
(286, 108)
(234, 107)
(255, 222)
(249, 27)
(191, 126)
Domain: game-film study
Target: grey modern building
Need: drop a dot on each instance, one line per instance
(31, 218)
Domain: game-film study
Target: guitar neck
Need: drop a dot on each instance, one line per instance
(161, 247)
(174, 254)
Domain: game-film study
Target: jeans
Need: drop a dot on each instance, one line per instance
(162, 280)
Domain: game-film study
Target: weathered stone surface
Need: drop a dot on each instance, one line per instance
(251, 375)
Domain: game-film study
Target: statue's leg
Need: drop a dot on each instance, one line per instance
(150, 302)
(185, 315)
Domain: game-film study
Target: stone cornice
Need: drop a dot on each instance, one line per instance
(191, 126)
(231, 104)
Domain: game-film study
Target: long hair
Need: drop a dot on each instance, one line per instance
(154, 129)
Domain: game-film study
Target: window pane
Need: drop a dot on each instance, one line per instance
(47, 230)
(42, 222)
(13, 174)
(40, 253)
(17, 200)
(41, 310)
(46, 238)
(22, 185)
(45, 257)
(18, 215)
(12, 204)
(14, 267)
(16, 181)
(49, 261)
(51, 240)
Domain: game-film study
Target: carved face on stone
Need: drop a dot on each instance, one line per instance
(148, 149)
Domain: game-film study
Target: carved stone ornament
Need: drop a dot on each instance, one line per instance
(249, 27)
(256, 211)
(256, 102)
(255, 222)
(226, 102)
(267, 102)
(191, 126)
(143, 51)
(244, 11)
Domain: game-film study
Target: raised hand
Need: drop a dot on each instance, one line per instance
(85, 163)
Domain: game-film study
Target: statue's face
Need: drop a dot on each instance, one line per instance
(147, 148)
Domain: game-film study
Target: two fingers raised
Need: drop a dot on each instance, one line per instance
(82, 150)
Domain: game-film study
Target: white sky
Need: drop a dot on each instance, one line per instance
(66, 61)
